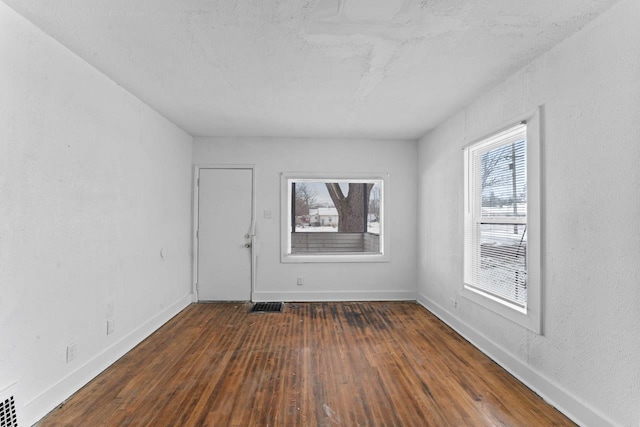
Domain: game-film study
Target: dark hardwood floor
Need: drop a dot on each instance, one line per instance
(314, 364)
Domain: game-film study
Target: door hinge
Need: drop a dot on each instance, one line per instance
(197, 234)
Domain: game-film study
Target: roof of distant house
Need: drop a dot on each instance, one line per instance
(323, 211)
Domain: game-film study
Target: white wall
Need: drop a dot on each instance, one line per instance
(587, 362)
(92, 185)
(338, 281)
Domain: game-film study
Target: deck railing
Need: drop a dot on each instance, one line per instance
(332, 242)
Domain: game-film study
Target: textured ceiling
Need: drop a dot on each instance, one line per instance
(312, 68)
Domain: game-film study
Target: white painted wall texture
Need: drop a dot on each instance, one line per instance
(338, 281)
(93, 184)
(587, 361)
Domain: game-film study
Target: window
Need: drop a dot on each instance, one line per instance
(333, 218)
(501, 261)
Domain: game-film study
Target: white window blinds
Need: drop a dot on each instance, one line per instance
(496, 217)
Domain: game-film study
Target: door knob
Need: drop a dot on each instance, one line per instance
(247, 245)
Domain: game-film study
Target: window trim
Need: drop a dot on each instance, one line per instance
(531, 316)
(285, 219)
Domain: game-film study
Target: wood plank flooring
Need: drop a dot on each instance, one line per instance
(315, 364)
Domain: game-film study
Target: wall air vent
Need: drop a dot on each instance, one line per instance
(8, 415)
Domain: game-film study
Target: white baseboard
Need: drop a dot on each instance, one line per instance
(571, 406)
(46, 401)
(334, 296)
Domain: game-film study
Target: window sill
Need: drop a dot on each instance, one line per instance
(523, 317)
(354, 257)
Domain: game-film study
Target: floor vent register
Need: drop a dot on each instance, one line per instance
(267, 307)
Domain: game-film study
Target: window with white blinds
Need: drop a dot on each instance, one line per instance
(495, 262)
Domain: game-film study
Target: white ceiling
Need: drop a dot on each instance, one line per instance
(312, 68)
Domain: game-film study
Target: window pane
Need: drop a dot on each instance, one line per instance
(503, 180)
(335, 216)
(501, 195)
(503, 262)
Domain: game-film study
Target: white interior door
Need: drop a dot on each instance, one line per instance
(224, 234)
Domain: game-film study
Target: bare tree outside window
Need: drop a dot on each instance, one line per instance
(352, 208)
(502, 179)
(306, 198)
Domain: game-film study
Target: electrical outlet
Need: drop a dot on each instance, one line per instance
(267, 214)
(111, 326)
(454, 302)
(300, 281)
(71, 352)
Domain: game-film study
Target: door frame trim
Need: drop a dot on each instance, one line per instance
(194, 229)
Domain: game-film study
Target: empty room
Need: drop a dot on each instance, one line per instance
(319, 212)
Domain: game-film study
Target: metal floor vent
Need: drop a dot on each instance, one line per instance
(267, 307)
(8, 416)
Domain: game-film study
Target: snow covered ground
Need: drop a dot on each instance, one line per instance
(325, 229)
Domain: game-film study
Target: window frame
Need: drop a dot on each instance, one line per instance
(352, 257)
(530, 316)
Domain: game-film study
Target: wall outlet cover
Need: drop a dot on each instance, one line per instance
(71, 352)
